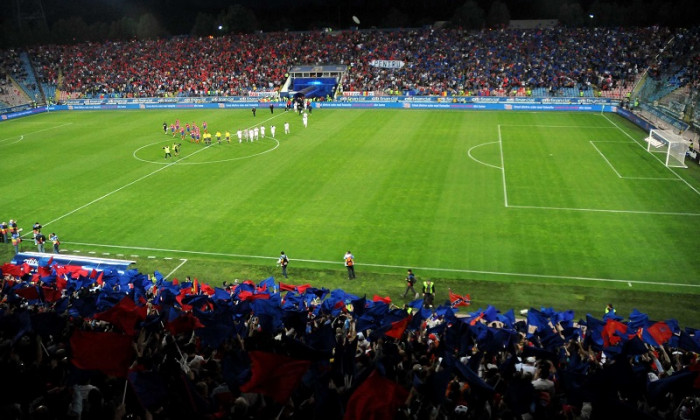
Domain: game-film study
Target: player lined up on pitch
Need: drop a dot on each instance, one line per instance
(201, 135)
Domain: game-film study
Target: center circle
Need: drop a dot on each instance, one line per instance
(155, 151)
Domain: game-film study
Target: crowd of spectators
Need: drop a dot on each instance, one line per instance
(75, 344)
(437, 61)
(10, 66)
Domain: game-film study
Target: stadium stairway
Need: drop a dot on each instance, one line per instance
(29, 84)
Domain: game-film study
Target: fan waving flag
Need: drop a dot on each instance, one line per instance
(459, 300)
(377, 398)
(124, 315)
(107, 352)
(274, 375)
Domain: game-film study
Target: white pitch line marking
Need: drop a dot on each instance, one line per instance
(503, 167)
(663, 213)
(150, 257)
(34, 132)
(452, 270)
(629, 284)
(605, 159)
(184, 260)
(469, 153)
(557, 126)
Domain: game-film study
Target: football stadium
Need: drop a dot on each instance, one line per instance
(267, 224)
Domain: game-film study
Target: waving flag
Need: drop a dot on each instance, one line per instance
(367, 403)
(274, 375)
(398, 327)
(124, 315)
(107, 352)
(657, 334)
(378, 298)
(11, 269)
(611, 332)
(459, 300)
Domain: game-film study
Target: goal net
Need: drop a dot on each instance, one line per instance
(669, 144)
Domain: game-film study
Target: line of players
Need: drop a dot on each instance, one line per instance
(249, 135)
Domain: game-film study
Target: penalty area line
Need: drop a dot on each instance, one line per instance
(184, 260)
(402, 267)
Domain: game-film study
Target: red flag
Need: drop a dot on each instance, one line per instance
(660, 331)
(301, 289)
(459, 300)
(287, 287)
(244, 295)
(26, 268)
(50, 295)
(274, 375)
(292, 288)
(398, 327)
(207, 289)
(61, 282)
(44, 271)
(184, 323)
(378, 298)
(99, 280)
(183, 293)
(76, 271)
(49, 262)
(11, 269)
(124, 315)
(366, 403)
(29, 293)
(195, 286)
(108, 352)
(93, 274)
(476, 319)
(256, 296)
(609, 330)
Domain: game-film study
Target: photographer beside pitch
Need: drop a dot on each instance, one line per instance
(283, 262)
(410, 281)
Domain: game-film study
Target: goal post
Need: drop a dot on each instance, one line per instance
(669, 144)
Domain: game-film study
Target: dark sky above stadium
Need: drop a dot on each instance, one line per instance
(76, 20)
(179, 15)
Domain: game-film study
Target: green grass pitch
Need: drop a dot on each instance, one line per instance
(519, 209)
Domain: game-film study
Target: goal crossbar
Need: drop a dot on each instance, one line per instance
(673, 146)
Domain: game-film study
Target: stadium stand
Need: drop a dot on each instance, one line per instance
(550, 62)
(103, 343)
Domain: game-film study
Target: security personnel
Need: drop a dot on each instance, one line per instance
(3, 232)
(609, 308)
(428, 293)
